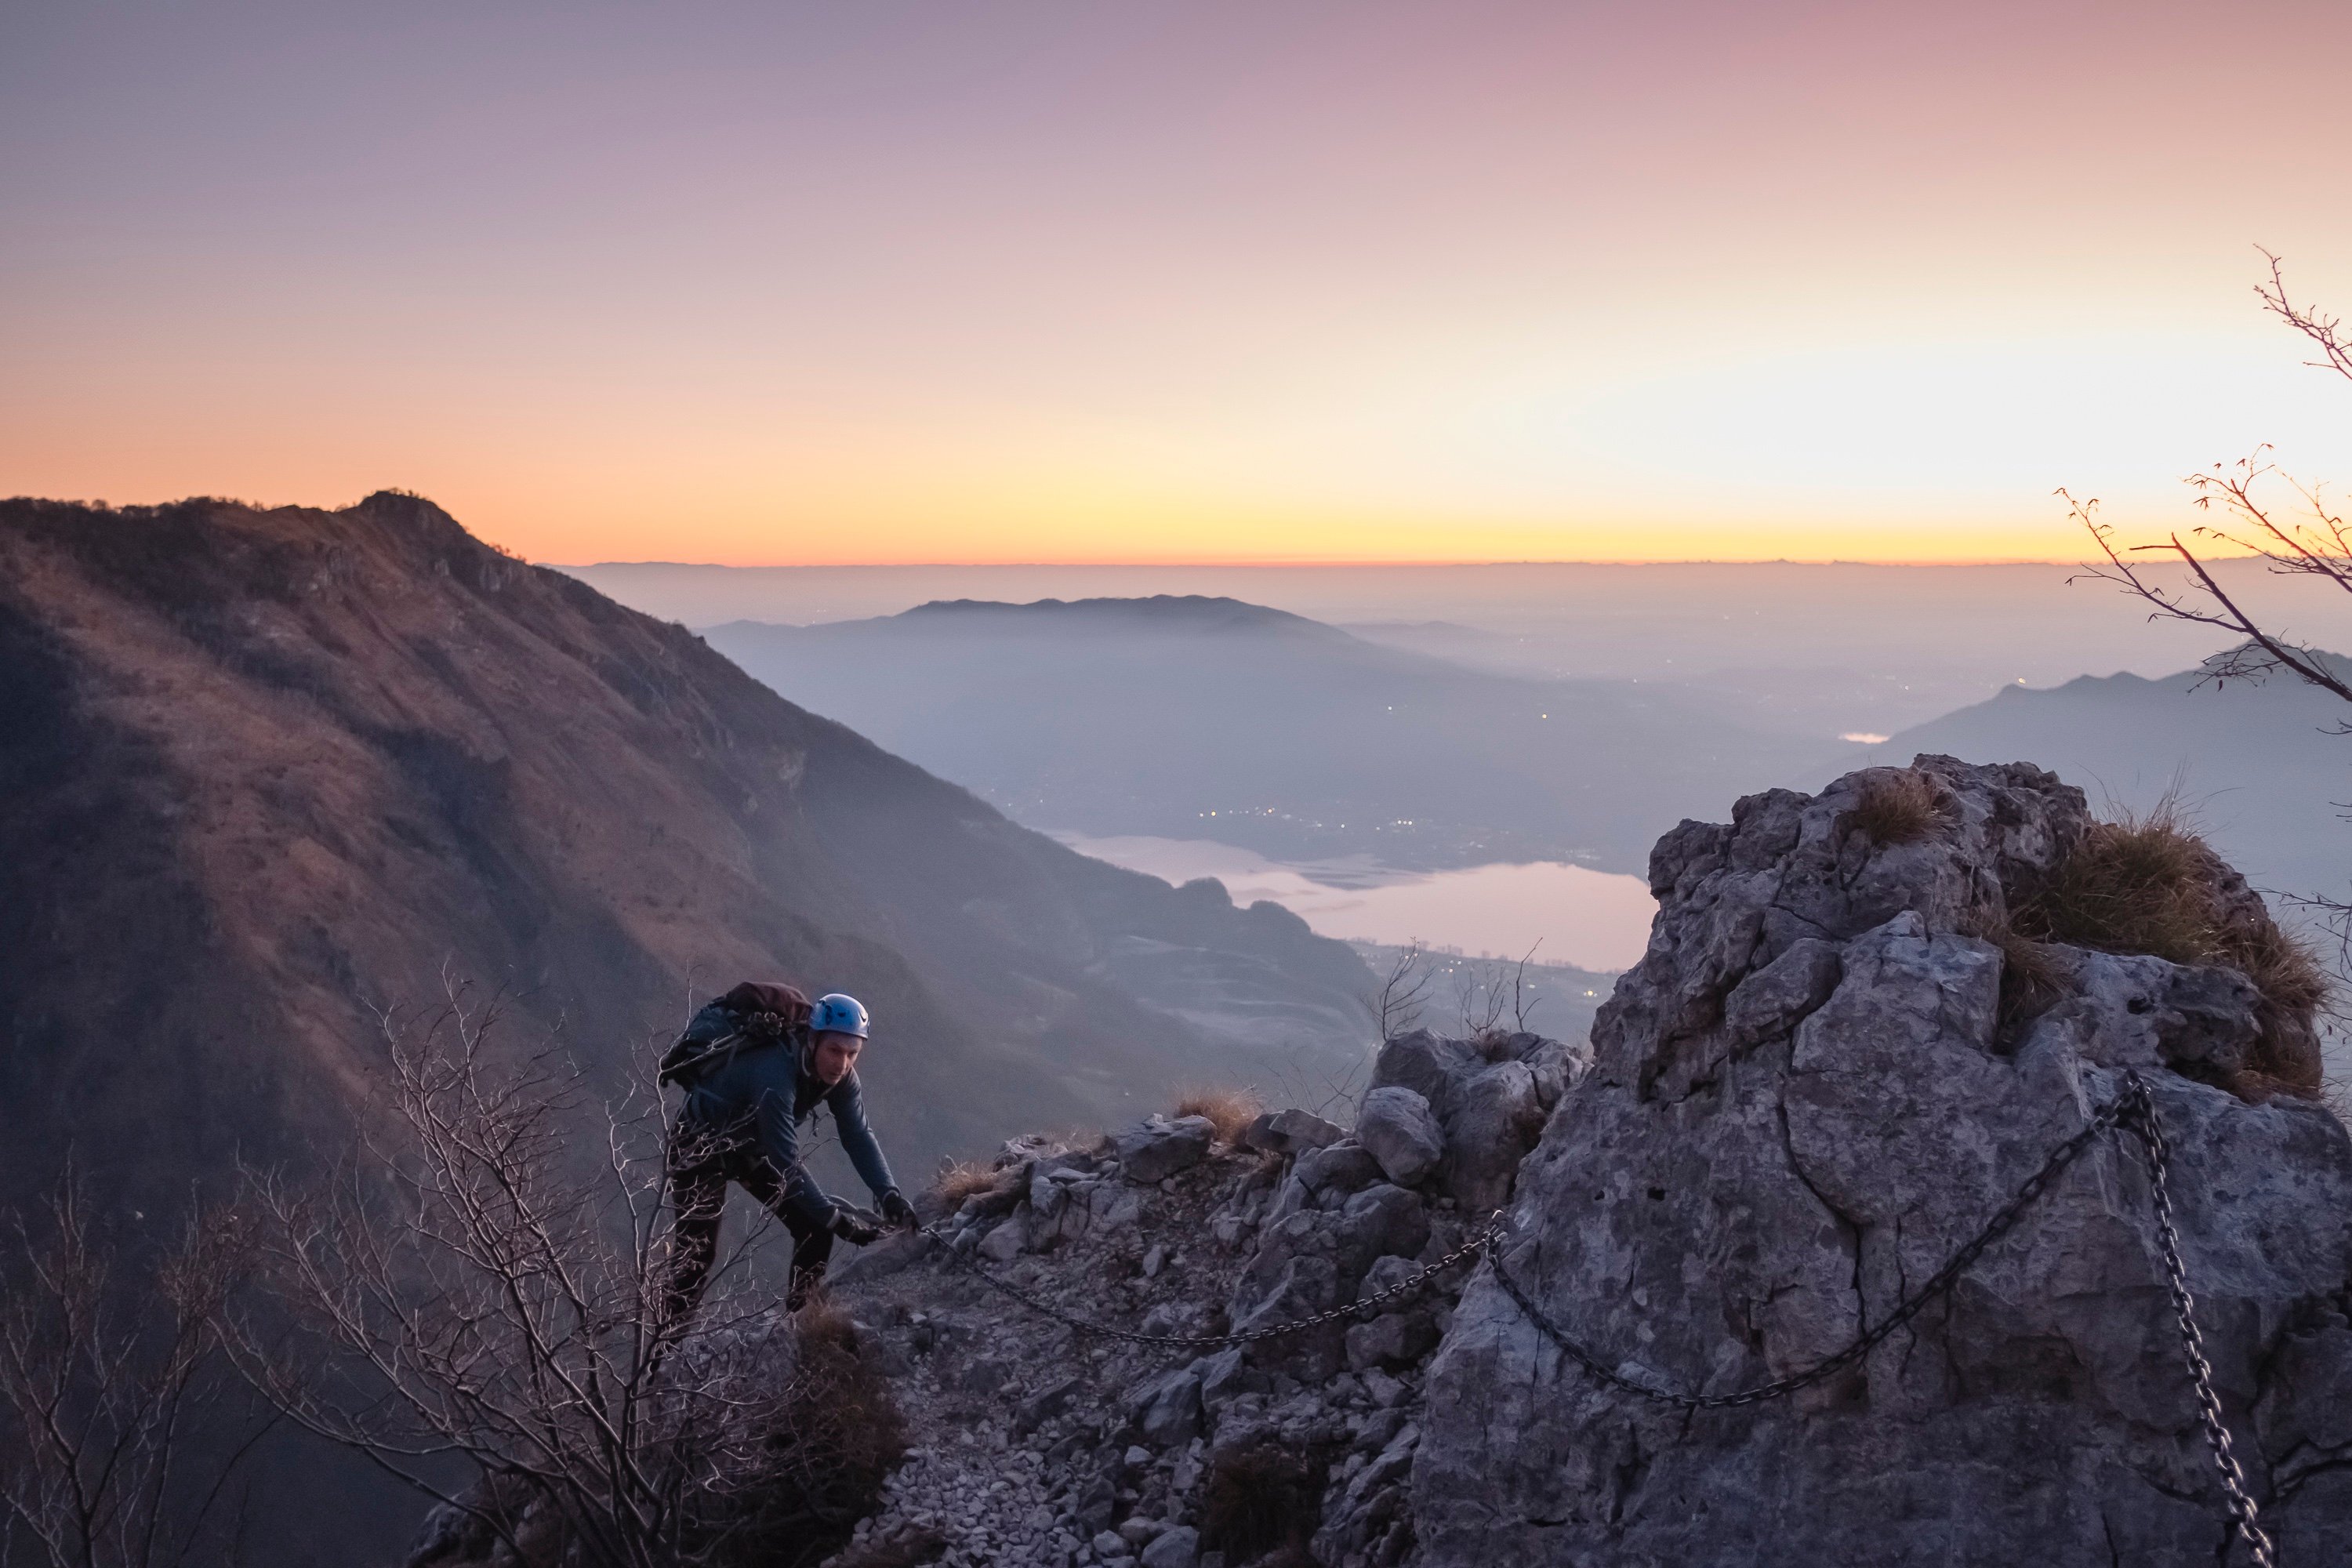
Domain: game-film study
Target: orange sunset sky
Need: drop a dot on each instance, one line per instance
(1199, 281)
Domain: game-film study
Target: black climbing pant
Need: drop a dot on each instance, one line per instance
(699, 1174)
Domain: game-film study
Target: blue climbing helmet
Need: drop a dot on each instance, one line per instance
(835, 1013)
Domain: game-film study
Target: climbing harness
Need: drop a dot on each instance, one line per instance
(1362, 1307)
(2132, 1110)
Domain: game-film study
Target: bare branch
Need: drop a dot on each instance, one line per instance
(108, 1379)
(1396, 1005)
(1523, 998)
(496, 1293)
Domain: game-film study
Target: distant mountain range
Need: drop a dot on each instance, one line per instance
(1206, 717)
(267, 771)
(2255, 764)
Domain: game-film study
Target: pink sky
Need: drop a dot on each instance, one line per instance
(1172, 282)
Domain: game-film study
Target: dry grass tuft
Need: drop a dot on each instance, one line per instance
(842, 1435)
(1897, 807)
(2150, 884)
(2029, 980)
(959, 1180)
(1259, 1499)
(1229, 1110)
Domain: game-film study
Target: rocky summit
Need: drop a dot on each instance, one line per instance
(1821, 1081)
(1838, 1061)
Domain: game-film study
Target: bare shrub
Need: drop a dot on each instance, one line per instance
(1229, 1110)
(2294, 535)
(1481, 998)
(2151, 884)
(1262, 1499)
(1310, 1079)
(1524, 997)
(112, 1382)
(1897, 805)
(840, 1436)
(1396, 1005)
(495, 1293)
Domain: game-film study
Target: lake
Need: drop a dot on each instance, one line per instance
(1593, 919)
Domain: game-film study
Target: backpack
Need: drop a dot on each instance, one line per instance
(715, 1036)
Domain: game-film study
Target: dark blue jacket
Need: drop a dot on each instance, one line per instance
(759, 1097)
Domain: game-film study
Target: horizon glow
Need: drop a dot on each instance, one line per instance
(1175, 284)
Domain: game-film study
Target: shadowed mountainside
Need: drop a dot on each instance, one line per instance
(270, 770)
(1145, 716)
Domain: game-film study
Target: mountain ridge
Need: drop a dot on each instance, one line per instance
(1206, 613)
(1302, 745)
(286, 765)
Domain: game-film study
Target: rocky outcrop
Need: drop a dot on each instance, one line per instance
(1838, 1058)
(1813, 1088)
(1038, 1446)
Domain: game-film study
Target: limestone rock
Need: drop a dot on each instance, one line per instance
(1806, 1098)
(1006, 1243)
(1167, 1408)
(1490, 1097)
(1344, 1168)
(1397, 1125)
(1155, 1149)
(1498, 1116)
(1179, 1547)
(1392, 1339)
(1290, 1131)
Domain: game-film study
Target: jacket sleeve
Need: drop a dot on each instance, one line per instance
(780, 1141)
(848, 1105)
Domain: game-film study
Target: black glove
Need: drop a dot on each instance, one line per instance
(897, 1210)
(851, 1230)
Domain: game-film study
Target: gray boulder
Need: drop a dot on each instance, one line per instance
(1428, 1064)
(1167, 1408)
(1343, 1168)
(1397, 1126)
(1006, 1242)
(1490, 1097)
(1803, 1100)
(1392, 1339)
(1498, 1116)
(1176, 1547)
(1290, 1131)
(1155, 1149)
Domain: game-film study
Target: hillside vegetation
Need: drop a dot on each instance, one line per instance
(271, 771)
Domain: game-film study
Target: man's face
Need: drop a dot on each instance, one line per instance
(831, 1054)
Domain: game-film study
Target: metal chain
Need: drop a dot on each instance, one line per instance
(1362, 1305)
(2143, 1122)
(1943, 1279)
(2133, 1111)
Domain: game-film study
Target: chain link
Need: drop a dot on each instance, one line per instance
(1830, 1365)
(2142, 1119)
(2132, 1110)
(1362, 1305)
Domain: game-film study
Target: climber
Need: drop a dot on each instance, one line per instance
(755, 1064)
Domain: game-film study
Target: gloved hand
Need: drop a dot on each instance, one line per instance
(898, 1210)
(851, 1230)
